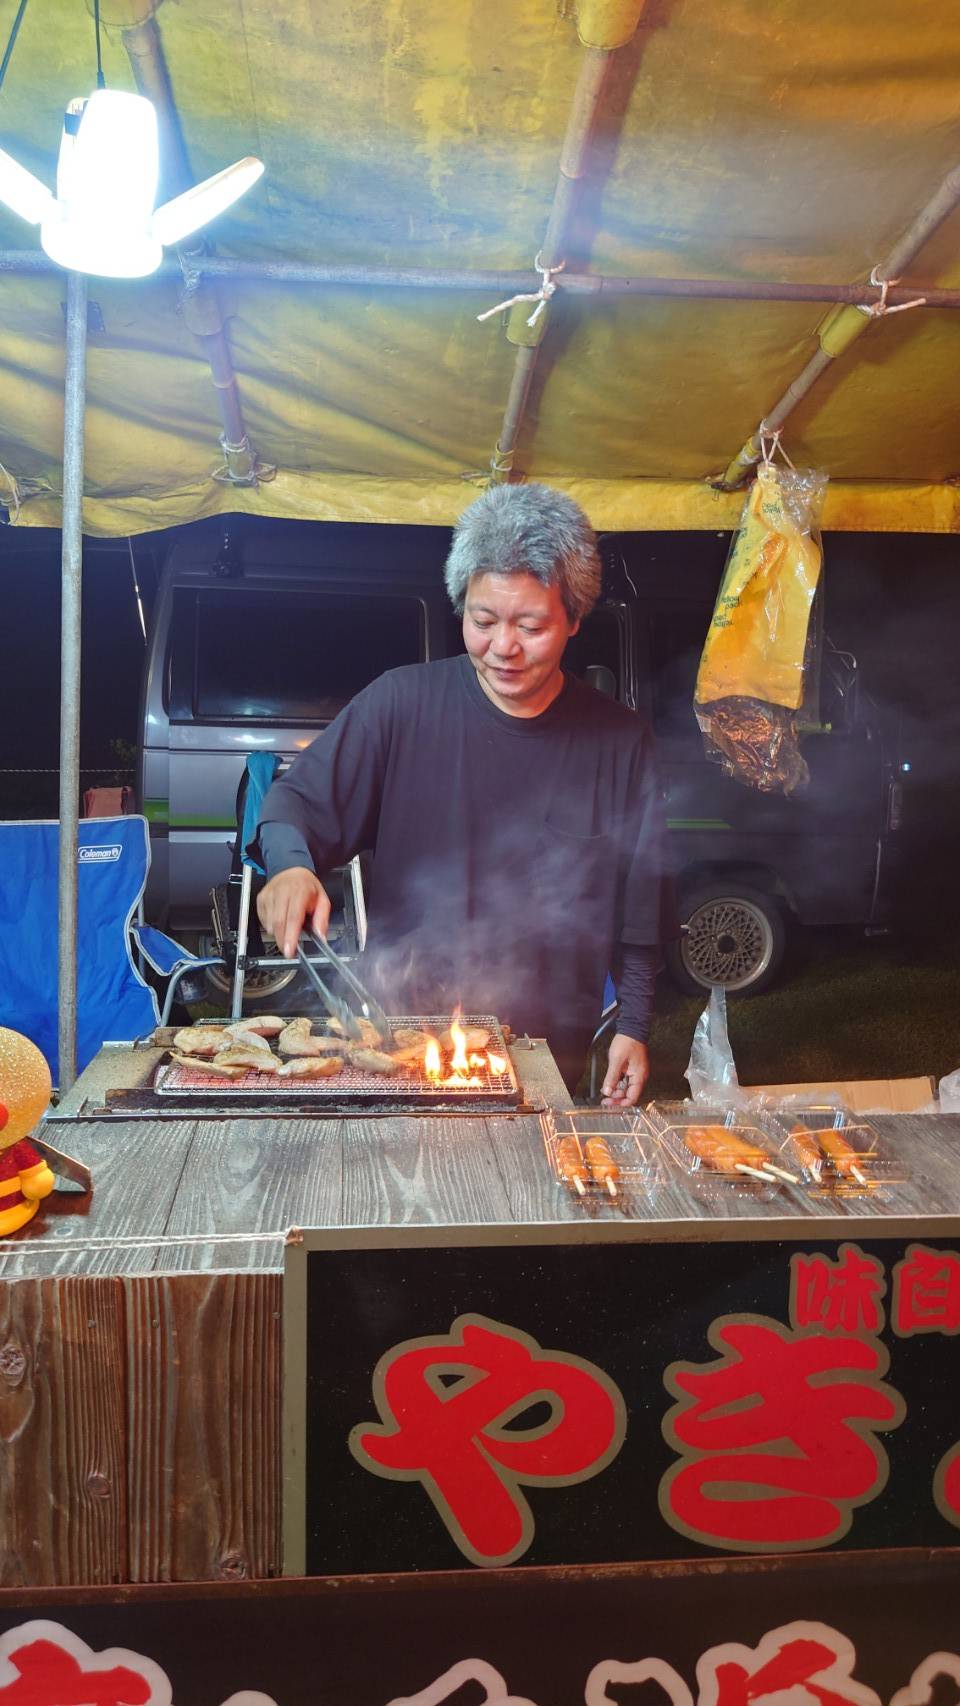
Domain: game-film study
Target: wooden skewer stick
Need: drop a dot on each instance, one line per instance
(742, 1167)
(611, 1187)
(858, 1175)
(782, 1173)
(579, 1184)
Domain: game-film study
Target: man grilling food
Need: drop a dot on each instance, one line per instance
(513, 813)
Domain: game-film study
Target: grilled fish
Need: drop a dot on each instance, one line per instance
(474, 1039)
(326, 1067)
(198, 1063)
(406, 1037)
(372, 1060)
(199, 1040)
(260, 1024)
(238, 1034)
(249, 1059)
(296, 1041)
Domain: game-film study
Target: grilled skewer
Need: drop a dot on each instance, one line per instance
(818, 1147)
(841, 1155)
(571, 1164)
(724, 1152)
(601, 1163)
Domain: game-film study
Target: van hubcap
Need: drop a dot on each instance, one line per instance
(729, 942)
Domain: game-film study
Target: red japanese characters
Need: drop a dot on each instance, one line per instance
(845, 1295)
(926, 1292)
(44, 1664)
(446, 1406)
(776, 1437)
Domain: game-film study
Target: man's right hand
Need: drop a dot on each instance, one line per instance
(289, 899)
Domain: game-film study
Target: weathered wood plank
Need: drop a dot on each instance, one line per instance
(538, 1073)
(249, 1177)
(136, 1169)
(203, 1402)
(534, 1194)
(62, 1432)
(407, 1172)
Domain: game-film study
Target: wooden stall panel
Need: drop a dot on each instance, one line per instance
(62, 1482)
(242, 1186)
(203, 1356)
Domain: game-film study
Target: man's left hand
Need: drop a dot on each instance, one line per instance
(628, 1068)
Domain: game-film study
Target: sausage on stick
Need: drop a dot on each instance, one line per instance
(571, 1164)
(602, 1165)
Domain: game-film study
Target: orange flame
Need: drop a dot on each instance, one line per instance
(432, 1061)
(459, 1061)
(496, 1063)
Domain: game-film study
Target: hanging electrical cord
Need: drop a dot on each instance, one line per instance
(11, 43)
(101, 84)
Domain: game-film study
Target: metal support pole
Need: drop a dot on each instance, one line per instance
(71, 581)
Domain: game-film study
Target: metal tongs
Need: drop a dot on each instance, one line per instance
(335, 1005)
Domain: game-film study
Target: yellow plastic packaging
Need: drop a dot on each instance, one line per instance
(757, 656)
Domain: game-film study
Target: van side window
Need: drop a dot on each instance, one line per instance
(677, 637)
(287, 656)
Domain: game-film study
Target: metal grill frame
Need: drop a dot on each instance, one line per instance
(354, 1088)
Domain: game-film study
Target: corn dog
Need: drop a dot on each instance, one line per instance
(571, 1164)
(808, 1150)
(718, 1148)
(841, 1155)
(601, 1163)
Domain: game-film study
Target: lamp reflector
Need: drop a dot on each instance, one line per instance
(186, 213)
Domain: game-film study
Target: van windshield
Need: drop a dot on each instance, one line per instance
(286, 656)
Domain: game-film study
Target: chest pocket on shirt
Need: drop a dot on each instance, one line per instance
(575, 880)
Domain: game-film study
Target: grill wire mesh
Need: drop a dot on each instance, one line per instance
(411, 1085)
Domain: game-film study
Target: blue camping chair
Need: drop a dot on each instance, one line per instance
(114, 1001)
(233, 932)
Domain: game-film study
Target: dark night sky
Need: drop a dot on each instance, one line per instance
(893, 600)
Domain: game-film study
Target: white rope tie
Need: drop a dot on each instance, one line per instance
(15, 495)
(541, 297)
(769, 447)
(876, 310)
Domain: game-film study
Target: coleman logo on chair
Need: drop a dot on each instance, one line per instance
(100, 855)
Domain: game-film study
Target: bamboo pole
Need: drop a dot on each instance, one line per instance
(839, 330)
(605, 26)
(606, 285)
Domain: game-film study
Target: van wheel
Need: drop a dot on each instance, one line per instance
(735, 939)
(263, 991)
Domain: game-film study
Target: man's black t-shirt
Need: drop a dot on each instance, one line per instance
(513, 857)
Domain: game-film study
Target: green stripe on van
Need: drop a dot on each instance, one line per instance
(698, 823)
(202, 820)
(157, 811)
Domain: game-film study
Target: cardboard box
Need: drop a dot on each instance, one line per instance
(864, 1096)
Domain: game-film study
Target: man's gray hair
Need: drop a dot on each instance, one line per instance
(527, 530)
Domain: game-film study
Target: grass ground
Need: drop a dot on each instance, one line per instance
(848, 1008)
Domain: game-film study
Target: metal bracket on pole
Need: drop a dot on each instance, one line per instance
(71, 579)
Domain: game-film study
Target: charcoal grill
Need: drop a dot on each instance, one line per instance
(404, 1090)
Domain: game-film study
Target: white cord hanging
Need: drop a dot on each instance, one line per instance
(876, 310)
(541, 297)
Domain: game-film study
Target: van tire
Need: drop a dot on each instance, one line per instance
(734, 937)
(277, 994)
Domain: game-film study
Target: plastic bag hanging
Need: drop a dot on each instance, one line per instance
(759, 656)
(711, 1071)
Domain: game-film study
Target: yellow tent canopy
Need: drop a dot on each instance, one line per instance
(794, 142)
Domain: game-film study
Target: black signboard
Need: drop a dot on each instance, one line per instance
(497, 1396)
(840, 1631)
